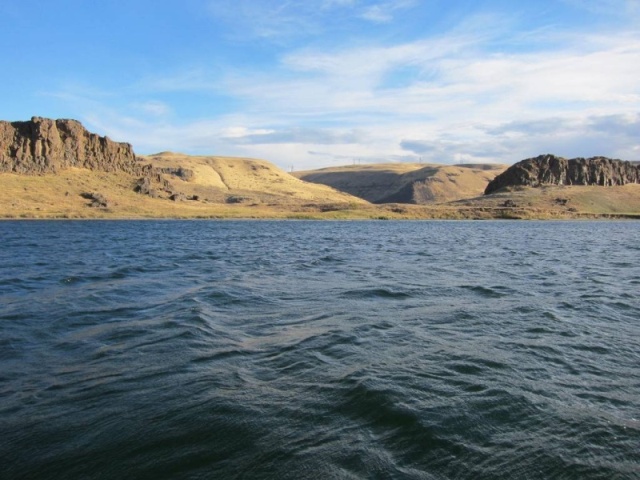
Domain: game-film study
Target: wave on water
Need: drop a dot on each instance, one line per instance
(427, 350)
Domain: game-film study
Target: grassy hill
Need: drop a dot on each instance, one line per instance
(215, 186)
(406, 182)
(243, 188)
(241, 180)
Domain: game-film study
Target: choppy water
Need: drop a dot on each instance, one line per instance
(321, 350)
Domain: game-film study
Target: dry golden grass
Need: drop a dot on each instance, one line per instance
(559, 202)
(254, 180)
(60, 196)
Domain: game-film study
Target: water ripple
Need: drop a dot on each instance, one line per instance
(427, 350)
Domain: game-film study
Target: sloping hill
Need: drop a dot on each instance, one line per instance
(407, 182)
(177, 186)
(240, 180)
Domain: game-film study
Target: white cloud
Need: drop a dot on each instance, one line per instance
(154, 108)
(452, 80)
(266, 19)
(607, 7)
(300, 135)
(378, 14)
(385, 11)
(278, 20)
(449, 98)
(327, 4)
(573, 136)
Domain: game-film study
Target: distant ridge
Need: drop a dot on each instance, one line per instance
(57, 169)
(552, 170)
(410, 183)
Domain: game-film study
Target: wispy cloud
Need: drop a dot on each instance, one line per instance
(311, 136)
(607, 7)
(477, 92)
(154, 108)
(276, 20)
(384, 12)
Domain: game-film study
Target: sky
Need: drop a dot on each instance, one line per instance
(318, 83)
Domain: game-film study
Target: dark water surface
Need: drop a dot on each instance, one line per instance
(322, 350)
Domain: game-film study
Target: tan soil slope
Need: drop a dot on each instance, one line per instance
(407, 182)
(243, 180)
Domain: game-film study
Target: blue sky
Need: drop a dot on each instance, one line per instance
(327, 82)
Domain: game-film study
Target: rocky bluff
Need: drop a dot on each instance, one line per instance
(552, 170)
(42, 145)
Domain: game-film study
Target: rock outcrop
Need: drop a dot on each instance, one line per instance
(552, 170)
(42, 145)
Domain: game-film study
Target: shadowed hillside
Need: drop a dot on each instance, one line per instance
(406, 182)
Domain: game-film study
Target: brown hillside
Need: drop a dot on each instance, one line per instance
(407, 182)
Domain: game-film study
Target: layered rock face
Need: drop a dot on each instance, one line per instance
(42, 145)
(552, 170)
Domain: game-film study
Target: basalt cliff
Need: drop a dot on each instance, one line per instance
(43, 145)
(553, 170)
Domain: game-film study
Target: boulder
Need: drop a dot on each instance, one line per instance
(97, 200)
(178, 197)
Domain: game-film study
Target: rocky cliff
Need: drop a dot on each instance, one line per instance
(42, 145)
(552, 170)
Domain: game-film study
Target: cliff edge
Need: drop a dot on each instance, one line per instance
(553, 170)
(42, 145)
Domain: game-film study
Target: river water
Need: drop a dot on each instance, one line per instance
(320, 350)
